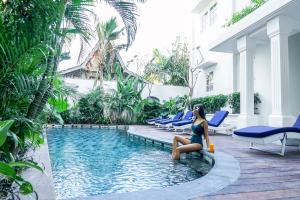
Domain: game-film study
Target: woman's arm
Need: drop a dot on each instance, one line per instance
(206, 134)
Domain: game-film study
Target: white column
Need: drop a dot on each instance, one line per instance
(246, 48)
(235, 74)
(278, 32)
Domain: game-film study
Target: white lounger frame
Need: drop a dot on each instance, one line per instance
(227, 128)
(267, 140)
(168, 126)
(151, 123)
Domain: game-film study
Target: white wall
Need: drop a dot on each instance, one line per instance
(262, 80)
(223, 70)
(164, 92)
(222, 80)
(212, 32)
(84, 86)
(294, 54)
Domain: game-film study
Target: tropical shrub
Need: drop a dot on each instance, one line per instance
(33, 34)
(211, 103)
(173, 68)
(124, 105)
(71, 116)
(257, 101)
(234, 102)
(91, 108)
(174, 105)
(151, 109)
(11, 160)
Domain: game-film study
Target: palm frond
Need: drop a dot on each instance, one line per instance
(77, 15)
(128, 12)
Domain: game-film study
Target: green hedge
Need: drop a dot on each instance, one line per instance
(234, 102)
(211, 103)
(214, 103)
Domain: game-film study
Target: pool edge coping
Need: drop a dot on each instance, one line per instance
(42, 183)
(226, 170)
(214, 181)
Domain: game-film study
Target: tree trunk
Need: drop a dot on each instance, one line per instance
(101, 69)
(43, 86)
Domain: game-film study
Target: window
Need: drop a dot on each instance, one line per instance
(213, 14)
(209, 82)
(204, 21)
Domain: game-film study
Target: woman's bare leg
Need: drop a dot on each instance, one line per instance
(186, 148)
(180, 139)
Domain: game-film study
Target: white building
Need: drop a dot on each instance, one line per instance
(260, 53)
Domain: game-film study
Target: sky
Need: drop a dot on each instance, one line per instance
(159, 23)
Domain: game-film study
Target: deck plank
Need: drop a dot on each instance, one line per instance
(277, 194)
(263, 175)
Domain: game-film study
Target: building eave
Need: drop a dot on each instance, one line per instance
(199, 7)
(72, 69)
(256, 20)
(207, 64)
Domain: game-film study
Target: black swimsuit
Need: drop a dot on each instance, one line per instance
(198, 131)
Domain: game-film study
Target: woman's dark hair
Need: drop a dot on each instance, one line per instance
(200, 109)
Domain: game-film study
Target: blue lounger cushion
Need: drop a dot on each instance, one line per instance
(168, 121)
(176, 118)
(157, 119)
(264, 131)
(186, 120)
(182, 122)
(153, 119)
(188, 115)
(161, 120)
(218, 118)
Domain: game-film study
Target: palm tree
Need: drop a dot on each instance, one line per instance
(32, 36)
(74, 19)
(107, 34)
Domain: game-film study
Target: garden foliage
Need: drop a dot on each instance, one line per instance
(125, 106)
(211, 103)
(171, 68)
(234, 102)
(32, 38)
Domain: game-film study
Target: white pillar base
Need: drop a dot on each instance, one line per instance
(281, 120)
(247, 120)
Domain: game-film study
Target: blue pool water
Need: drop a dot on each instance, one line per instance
(88, 162)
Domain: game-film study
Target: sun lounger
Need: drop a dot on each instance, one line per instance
(185, 123)
(216, 124)
(265, 135)
(165, 123)
(156, 119)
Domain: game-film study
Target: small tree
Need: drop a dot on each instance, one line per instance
(170, 69)
(107, 34)
(174, 69)
(194, 74)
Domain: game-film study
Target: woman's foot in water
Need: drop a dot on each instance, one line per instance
(176, 154)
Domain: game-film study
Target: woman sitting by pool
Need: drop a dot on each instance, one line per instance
(199, 128)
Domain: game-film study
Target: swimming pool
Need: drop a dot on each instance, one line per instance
(88, 162)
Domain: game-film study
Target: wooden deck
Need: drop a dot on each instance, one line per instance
(263, 175)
